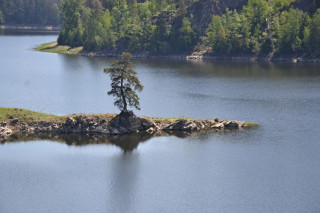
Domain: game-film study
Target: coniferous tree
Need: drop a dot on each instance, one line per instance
(124, 83)
(1, 17)
(72, 31)
(315, 31)
(186, 35)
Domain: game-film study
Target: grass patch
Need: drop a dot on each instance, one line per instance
(8, 114)
(53, 47)
(172, 120)
(249, 124)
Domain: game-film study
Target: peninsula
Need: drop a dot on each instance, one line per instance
(15, 121)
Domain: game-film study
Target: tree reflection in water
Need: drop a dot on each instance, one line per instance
(127, 142)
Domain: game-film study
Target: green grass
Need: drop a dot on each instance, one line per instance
(53, 47)
(172, 120)
(8, 114)
(249, 124)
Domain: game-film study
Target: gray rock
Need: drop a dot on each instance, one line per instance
(5, 132)
(233, 124)
(218, 126)
(183, 125)
(128, 122)
(14, 122)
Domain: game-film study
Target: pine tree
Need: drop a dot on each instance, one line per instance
(186, 35)
(1, 17)
(124, 83)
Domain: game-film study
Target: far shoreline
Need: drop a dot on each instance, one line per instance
(53, 47)
(31, 27)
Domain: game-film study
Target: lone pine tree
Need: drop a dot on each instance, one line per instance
(124, 83)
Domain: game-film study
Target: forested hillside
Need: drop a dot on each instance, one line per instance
(29, 12)
(215, 27)
(166, 27)
(152, 27)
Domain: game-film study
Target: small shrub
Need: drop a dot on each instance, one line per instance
(216, 119)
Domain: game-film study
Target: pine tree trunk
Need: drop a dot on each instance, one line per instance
(123, 97)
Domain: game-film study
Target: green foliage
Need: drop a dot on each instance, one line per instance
(165, 27)
(124, 83)
(8, 114)
(72, 32)
(29, 12)
(291, 30)
(264, 28)
(144, 11)
(281, 4)
(315, 32)
(186, 35)
(53, 47)
(1, 17)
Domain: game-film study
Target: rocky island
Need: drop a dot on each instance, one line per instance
(15, 121)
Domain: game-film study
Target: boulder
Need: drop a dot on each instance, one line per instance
(128, 122)
(5, 132)
(233, 124)
(218, 126)
(183, 125)
(14, 121)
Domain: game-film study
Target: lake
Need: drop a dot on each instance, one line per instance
(272, 168)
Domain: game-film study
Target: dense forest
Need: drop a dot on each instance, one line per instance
(161, 27)
(256, 27)
(29, 12)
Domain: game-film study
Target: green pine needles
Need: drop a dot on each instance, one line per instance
(124, 83)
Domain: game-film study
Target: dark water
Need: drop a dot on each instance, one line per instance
(274, 168)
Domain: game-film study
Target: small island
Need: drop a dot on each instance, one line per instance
(15, 121)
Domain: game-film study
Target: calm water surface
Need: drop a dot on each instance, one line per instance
(274, 168)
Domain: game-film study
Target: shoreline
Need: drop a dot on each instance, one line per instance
(19, 121)
(30, 27)
(206, 57)
(53, 47)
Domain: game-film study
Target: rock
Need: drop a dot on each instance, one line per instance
(233, 124)
(218, 126)
(146, 124)
(128, 122)
(194, 57)
(2, 139)
(14, 122)
(151, 130)
(99, 129)
(70, 121)
(5, 132)
(105, 131)
(183, 125)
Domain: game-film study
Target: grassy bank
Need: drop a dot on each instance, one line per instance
(53, 47)
(8, 114)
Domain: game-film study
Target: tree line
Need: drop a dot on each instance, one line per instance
(29, 12)
(133, 26)
(261, 27)
(265, 27)
(165, 27)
